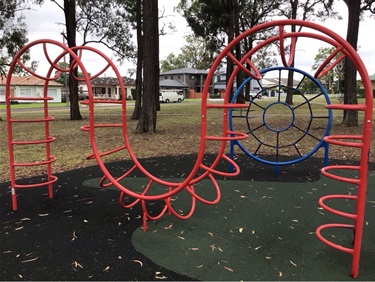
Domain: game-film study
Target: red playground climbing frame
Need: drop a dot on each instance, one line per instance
(286, 41)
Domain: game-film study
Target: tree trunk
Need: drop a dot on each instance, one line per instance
(147, 121)
(240, 74)
(350, 118)
(139, 75)
(230, 33)
(290, 91)
(70, 20)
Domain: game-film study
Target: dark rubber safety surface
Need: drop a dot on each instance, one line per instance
(263, 228)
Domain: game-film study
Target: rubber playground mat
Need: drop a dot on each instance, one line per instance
(263, 228)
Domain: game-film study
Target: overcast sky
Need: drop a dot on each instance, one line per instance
(47, 22)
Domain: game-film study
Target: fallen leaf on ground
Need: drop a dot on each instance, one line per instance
(74, 236)
(138, 261)
(30, 260)
(76, 264)
(229, 269)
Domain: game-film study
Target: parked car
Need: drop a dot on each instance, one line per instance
(254, 94)
(166, 96)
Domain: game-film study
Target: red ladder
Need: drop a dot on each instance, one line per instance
(12, 144)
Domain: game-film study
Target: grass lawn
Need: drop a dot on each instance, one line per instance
(178, 133)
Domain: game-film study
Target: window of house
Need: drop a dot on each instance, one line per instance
(2, 94)
(171, 76)
(179, 77)
(99, 90)
(166, 77)
(25, 92)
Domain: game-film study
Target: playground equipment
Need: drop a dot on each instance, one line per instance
(266, 129)
(202, 169)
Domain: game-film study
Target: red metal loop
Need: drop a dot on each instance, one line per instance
(52, 179)
(292, 48)
(325, 171)
(334, 211)
(223, 173)
(337, 140)
(331, 244)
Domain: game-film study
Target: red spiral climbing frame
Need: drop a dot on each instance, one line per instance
(341, 50)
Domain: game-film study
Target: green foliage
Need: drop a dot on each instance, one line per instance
(214, 95)
(308, 9)
(107, 22)
(172, 62)
(263, 58)
(195, 54)
(13, 32)
(207, 19)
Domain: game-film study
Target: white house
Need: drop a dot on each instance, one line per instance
(108, 88)
(30, 86)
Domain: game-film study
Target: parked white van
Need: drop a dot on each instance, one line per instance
(169, 95)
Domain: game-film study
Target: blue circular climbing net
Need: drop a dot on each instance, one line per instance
(280, 133)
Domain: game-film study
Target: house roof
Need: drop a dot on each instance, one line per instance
(28, 81)
(175, 83)
(111, 81)
(185, 71)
